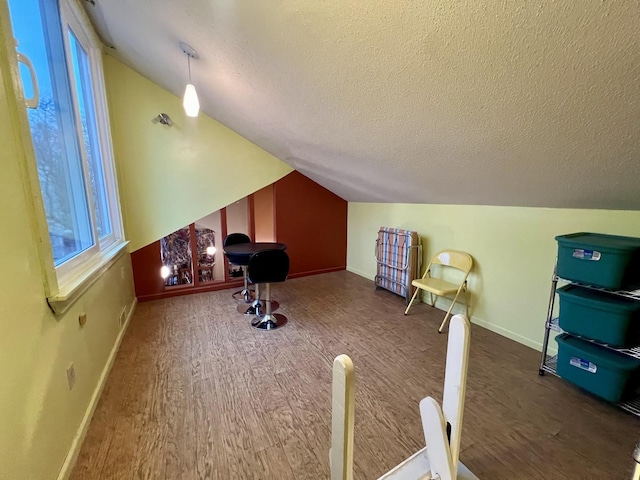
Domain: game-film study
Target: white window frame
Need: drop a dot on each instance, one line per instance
(72, 19)
(65, 283)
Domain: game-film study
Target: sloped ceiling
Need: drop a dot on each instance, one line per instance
(508, 102)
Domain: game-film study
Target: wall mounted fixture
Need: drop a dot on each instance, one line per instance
(190, 101)
(163, 118)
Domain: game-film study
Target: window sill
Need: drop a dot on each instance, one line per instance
(74, 287)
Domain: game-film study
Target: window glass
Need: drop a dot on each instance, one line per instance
(89, 123)
(36, 26)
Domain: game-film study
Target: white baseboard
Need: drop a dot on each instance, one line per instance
(74, 450)
(443, 304)
(507, 333)
(362, 274)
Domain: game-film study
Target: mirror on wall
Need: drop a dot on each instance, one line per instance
(175, 251)
(192, 255)
(206, 242)
(237, 220)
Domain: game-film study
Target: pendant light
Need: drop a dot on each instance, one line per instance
(190, 101)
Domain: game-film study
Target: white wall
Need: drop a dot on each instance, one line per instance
(171, 176)
(238, 217)
(40, 418)
(513, 249)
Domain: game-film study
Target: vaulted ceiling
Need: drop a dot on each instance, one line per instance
(495, 102)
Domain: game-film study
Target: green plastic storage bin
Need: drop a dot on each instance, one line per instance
(599, 316)
(606, 261)
(599, 370)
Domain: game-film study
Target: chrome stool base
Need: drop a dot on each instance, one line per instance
(257, 308)
(247, 295)
(269, 322)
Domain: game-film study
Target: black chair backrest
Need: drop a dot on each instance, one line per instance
(235, 238)
(269, 266)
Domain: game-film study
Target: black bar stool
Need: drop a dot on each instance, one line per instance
(241, 261)
(265, 268)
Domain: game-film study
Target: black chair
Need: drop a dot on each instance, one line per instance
(265, 268)
(239, 260)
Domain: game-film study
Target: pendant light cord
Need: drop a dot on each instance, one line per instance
(189, 66)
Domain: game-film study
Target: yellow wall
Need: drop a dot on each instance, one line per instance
(172, 176)
(39, 416)
(41, 420)
(513, 249)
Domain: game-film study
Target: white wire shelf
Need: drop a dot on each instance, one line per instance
(553, 325)
(632, 352)
(632, 294)
(550, 365)
(632, 405)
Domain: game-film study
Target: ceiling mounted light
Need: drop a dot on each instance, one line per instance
(190, 101)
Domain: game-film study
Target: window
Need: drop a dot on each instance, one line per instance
(69, 129)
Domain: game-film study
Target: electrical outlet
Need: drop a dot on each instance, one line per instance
(123, 316)
(71, 376)
(122, 272)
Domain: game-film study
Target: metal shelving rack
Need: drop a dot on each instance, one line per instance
(548, 363)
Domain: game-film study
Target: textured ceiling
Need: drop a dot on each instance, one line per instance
(508, 102)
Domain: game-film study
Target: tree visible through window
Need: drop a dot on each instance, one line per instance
(75, 175)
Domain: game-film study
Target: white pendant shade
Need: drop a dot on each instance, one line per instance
(190, 102)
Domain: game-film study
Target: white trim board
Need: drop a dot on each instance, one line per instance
(74, 450)
(362, 274)
(443, 304)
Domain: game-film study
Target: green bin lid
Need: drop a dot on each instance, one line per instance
(603, 355)
(599, 240)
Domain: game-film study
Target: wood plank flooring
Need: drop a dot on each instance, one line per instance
(195, 393)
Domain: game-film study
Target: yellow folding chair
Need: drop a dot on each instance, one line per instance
(439, 287)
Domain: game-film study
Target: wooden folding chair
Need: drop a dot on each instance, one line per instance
(442, 426)
(439, 287)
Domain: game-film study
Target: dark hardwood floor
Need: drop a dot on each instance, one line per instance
(196, 393)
